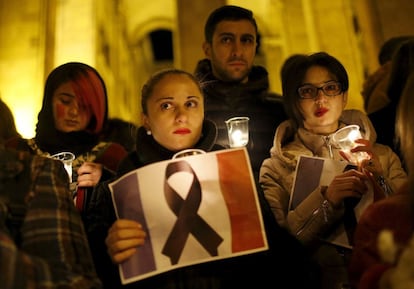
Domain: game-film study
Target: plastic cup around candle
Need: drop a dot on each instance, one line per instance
(67, 159)
(238, 131)
(345, 139)
(188, 152)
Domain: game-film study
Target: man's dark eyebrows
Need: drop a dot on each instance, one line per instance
(226, 34)
(248, 35)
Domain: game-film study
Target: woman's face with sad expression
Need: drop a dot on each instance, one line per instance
(68, 113)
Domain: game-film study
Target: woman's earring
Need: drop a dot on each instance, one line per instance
(149, 132)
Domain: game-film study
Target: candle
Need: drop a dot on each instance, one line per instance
(238, 131)
(345, 139)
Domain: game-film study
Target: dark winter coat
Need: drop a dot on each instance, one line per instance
(224, 100)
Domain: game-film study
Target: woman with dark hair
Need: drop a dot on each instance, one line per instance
(315, 92)
(8, 127)
(73, 114)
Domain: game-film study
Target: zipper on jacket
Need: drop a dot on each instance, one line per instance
(325, 207)
(327, 140)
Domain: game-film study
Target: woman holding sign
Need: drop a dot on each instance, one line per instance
(173, 121)
(315, 91)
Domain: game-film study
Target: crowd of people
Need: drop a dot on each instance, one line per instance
(60, 232)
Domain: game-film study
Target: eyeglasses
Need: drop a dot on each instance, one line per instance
(309, 91)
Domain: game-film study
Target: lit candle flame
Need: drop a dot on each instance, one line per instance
(238, 131)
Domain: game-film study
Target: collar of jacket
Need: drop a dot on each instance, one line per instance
(286, 133)
(258, 81)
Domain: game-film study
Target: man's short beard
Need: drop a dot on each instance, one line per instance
(227, 77)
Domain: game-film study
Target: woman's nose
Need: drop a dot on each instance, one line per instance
(181, 115)
(74, 109)
(320, 96)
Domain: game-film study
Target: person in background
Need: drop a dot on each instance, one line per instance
(8, 127)
(42, 238)
(120, 131)
(73, 114)
(315, 91)
(374, 89)
(383, 119)
(173, 120)
(383, 251)
(233, 85)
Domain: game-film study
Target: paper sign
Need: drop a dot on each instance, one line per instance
(194, 209)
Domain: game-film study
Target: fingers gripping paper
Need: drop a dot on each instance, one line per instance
(314, 172)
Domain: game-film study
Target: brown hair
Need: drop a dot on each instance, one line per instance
(293, 73)
(148, 87)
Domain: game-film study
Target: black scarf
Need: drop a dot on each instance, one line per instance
(148, 151)
(50, 140)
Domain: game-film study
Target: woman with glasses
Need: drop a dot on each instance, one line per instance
(315, 91)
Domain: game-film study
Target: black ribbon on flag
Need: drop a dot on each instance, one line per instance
(188, 221)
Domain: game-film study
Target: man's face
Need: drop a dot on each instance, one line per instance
(232, 50)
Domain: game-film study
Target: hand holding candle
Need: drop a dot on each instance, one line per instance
(345, 139)
(66, 158)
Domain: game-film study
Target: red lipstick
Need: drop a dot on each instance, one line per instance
(321, 111)
(182, 131)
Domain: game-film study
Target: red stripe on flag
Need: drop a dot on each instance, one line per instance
(236, 185)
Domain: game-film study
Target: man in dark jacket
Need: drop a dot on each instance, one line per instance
(233, 86)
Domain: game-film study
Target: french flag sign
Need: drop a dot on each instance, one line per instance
(194, 209)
